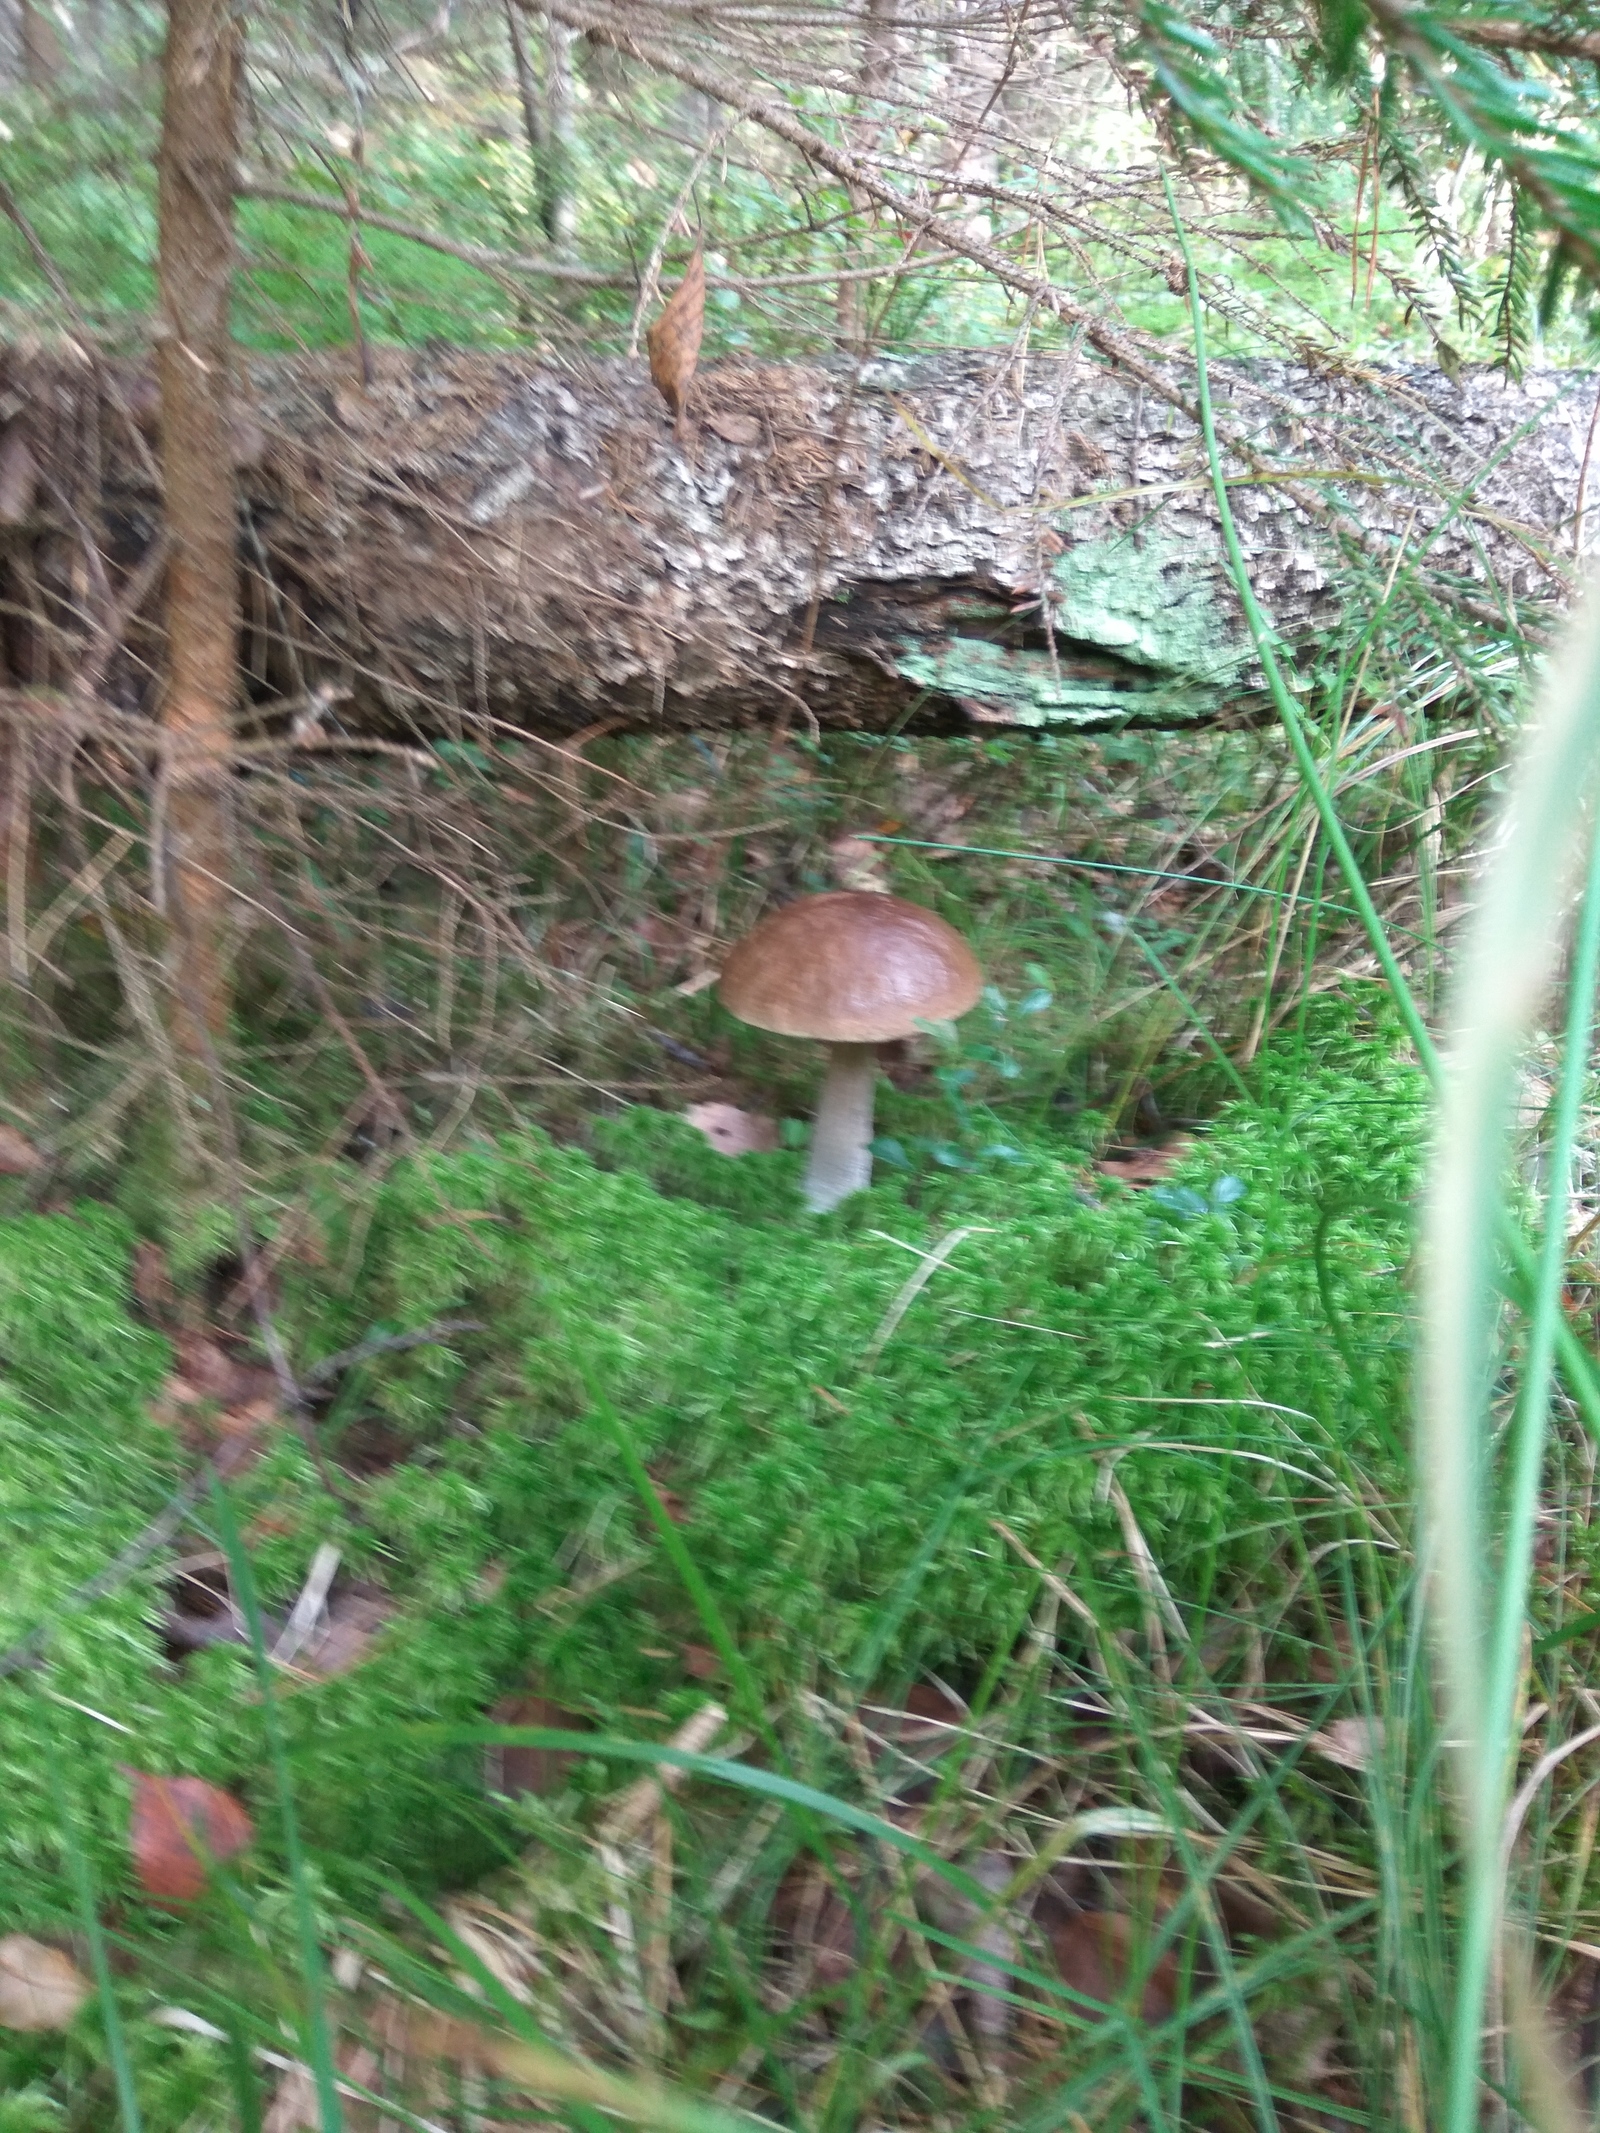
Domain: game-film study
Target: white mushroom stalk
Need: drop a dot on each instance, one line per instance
(841, 1133)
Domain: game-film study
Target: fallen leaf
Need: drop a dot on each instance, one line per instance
(1144, 1166)
(511, 1768)
(40, 1988)
(857, 864)
(1095, 1954)
(215, 1375)
(1349, 1742)
(700, 1662)
(734, 429)
(210, 1395)
(354, 1620)
(294, 2107)
(815, 1918)
(732, 1131)
(152, 1280)
(18, 1158)
(181, 1827)
(675, 1506)
(674, 339)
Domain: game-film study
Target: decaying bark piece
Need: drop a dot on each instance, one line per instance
(968, 539)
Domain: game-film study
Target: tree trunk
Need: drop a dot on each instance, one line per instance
(558, 203)
(527, 92)
(42, 56)
(196, 178)
(874, 79)
(969, 541)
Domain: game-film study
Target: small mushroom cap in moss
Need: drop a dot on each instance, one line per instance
(850, 967)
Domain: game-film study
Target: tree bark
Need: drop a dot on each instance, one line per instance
(195, 186)
(967, 541)
(558, 203)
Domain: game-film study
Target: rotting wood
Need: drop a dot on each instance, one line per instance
(479, 540)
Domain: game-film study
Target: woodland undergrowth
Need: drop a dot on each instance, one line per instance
(1048, 1507)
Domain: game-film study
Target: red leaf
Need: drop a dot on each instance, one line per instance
(181, 1827)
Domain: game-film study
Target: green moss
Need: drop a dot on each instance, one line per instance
(1237, 1340)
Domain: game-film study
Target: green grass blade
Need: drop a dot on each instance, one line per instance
(769, 1783)
(319, 2044)
(747, 1690)
(111, 2020)
(1506, 963)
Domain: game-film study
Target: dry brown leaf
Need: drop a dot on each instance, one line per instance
(732, 1131)
(18, 1158)
(40, 1988)
(215, 1375)
(210, 1395)
(700, 1662)
(1144, 1166)
(734, 429)
(1350, 1742)
(675, 1506)
(674, 339)
(1095, 1952)
(513, 1768)
(152, 1280)
(857, 864)
(294, 2106)
(180, 1828)
(353, 1621)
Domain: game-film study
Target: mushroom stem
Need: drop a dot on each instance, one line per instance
(841, 1134)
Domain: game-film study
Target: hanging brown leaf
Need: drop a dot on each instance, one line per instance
(182, 1827)
(40, 1988)
(674, 339)
(17, 1156)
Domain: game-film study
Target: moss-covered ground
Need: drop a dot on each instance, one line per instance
(1231, 1346)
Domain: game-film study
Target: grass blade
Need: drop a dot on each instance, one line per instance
(83, 1890)
(319, 2051)
(1507, 962)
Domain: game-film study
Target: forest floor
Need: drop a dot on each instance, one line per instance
(953, 1661)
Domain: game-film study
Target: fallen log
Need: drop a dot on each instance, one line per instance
(474, 540)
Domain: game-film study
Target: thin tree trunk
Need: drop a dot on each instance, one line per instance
(528, 91)
(195, 180)
(559, 204)
(873, 79)
(42, 55)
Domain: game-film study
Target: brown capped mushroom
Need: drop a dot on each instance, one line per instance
(854, 969)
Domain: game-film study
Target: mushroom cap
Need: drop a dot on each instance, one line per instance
(850, 967)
